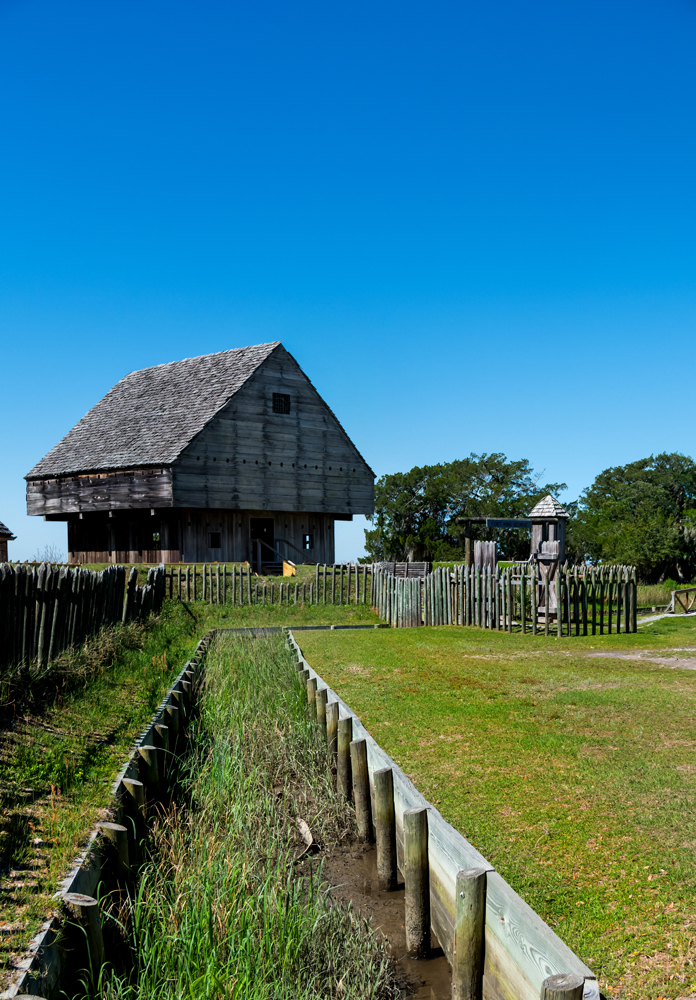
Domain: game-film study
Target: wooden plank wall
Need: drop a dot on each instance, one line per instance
(121, 490)
(249, 457)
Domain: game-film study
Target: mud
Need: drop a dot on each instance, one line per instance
(351, 870)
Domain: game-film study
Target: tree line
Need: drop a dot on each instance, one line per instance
(641, 514)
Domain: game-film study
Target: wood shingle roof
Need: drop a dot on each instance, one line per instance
(151, 415)
(548, 507)
(6, 533)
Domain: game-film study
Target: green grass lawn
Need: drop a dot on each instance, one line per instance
(574, 776)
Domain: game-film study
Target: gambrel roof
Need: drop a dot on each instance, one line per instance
(548, 507)
(151, 415)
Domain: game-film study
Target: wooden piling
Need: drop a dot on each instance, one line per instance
(332, 727)
(136, 790)
(361, 789)
(321, 708)
(117, 837)
(172, 715)
(344, 772)
(567, 986)
(312, 697)
(417, 879)
(148, 768)
(385, 829)
(469, 927)
(85, 910)
(161, 736)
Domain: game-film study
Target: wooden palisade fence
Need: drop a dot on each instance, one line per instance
(47, 609)
(215, 583)
(582, 600)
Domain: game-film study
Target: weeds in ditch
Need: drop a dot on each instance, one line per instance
(227, 907)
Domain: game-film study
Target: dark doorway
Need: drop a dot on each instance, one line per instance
(262, 528)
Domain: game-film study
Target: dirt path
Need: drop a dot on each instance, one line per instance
(653, 656)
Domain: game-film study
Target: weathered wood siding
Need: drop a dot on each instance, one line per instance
(172, 536)
(234, 530)
(249, 457)
(123, 490)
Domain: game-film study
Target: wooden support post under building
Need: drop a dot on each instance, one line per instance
(361, 789)
(417, 879)
(469, 928)
(345, 738)
(385, 829)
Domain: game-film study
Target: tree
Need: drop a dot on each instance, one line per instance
(418, 514)
(642, 514)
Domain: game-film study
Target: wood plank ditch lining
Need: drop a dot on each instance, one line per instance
(41, 969)
(521, 950)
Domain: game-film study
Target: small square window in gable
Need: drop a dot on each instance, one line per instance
(281, 402)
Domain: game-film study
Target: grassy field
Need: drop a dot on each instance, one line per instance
(59, 754)
(574, 775)
(227, 908)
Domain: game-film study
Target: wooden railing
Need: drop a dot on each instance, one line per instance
(685, 598)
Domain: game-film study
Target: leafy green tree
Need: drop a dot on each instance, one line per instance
(642, 514)
(418, 514)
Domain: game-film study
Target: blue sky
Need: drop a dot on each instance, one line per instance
(473, 224)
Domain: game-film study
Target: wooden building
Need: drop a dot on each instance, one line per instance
(5, 537)
(225, 457)
(549, 519)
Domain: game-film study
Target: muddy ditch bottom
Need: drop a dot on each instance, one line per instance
(351, 871)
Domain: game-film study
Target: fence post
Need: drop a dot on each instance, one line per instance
(523, 600)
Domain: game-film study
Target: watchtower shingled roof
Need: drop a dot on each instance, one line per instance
(548, 507)
(6, 533)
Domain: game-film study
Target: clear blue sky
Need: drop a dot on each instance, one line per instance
(473, 224)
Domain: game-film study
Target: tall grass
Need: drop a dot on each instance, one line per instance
(224, 908)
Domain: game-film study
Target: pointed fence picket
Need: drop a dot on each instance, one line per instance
(47, 609)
